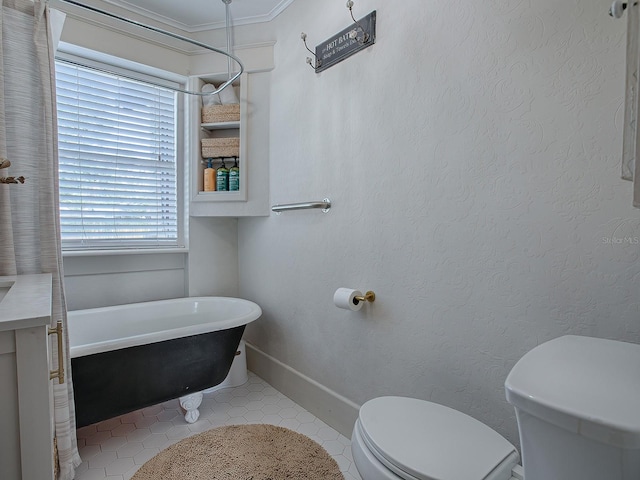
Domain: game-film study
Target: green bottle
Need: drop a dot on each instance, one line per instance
(222, 178)
(234, 176)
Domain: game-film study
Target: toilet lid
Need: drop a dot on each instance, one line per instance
(430, 441)
(588, 386)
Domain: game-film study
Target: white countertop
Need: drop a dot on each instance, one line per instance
(27, 303)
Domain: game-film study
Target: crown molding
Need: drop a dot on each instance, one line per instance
(279, 8)
(155, 39)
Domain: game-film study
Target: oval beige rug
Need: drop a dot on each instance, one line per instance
(242, 452)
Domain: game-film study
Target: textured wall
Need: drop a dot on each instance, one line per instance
(472, 156)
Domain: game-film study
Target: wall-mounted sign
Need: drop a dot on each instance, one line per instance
(358, 36)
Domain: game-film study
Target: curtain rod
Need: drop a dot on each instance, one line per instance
(177, 37)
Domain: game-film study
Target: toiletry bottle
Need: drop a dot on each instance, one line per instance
(234, 176)
(222, 177)
(209, 177)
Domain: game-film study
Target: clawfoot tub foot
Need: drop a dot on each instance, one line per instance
(190, 404)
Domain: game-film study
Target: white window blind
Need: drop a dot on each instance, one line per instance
(117, 153)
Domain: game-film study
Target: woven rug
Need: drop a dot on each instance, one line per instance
(242, 452)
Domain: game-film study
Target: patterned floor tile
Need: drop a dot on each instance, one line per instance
(116, 448)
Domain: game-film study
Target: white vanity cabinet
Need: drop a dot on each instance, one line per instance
(26, 399)
(252, 129)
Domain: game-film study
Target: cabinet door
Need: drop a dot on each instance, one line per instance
(35, 403)
(9, 422)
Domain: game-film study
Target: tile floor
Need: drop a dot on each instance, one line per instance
(116, 448)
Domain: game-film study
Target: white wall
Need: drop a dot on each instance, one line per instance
(104, 280)
(472, 158)
(213, 257)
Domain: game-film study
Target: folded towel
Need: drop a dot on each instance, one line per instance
(228, 95)
(208, 100)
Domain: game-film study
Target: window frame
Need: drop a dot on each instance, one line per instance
(144, 73)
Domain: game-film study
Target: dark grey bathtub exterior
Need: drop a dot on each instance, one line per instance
(116, 382)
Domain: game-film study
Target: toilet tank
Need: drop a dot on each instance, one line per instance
(577, 402)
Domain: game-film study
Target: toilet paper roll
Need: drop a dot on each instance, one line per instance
(346, 298)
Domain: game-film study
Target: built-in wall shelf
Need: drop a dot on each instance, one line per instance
(252, 130)
(221, 126)
(219, 197)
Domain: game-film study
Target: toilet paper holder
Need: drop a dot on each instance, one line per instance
(350, 299)
(367, 297)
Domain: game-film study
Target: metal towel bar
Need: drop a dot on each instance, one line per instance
(325, 205)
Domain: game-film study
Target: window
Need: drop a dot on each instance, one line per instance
(118, 168)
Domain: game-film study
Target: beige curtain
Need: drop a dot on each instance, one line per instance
(29, 217)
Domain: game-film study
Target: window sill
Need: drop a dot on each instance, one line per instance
(123, 251)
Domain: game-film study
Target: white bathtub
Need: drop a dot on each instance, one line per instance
(131, 356)
(103, 329)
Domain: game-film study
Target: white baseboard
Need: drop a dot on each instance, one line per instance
(333, 409)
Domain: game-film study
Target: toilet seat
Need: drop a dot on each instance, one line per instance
(420, 440)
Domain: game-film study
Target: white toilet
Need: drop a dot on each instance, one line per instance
(577, 402)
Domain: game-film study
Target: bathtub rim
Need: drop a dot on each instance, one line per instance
(76, 351)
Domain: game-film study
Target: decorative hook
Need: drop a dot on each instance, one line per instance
(354, 33)
(314, 64)
(618, 7)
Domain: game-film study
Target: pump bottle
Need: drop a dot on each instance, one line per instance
(234, 176)
(209, 177)
(222, 178)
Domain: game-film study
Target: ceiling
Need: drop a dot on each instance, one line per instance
(198, 15)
